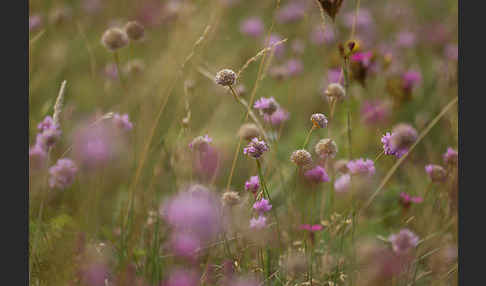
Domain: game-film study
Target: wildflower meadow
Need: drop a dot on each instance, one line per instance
(243, 142)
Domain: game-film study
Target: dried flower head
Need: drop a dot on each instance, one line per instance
(226, 77)
(248, 131)
(335, 91)
(301, 158)
(403, 136)
(404, 241)
(319, 120)
(331, 7)
(134, 30)
(436, 173)
(200, 143)
(326, 148)
(62, 174)
(114, 39)
(255, 148)
(230, 198)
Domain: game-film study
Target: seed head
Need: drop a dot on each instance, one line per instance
(335, 91)
(436, 173)
(319, 120)
(134, 30)
(248, 131)
(301, 158)
(230, 198)
(326, 148)
(403, 136)
(226, 77)
(114, 39)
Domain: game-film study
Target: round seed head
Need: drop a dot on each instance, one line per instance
(335, 91)
(225, 77)
(326, 148)
(134, 30)
(230, 198)
(319, 120)
(301, 158)
(248, 131)
(114, 38)
(403, 136)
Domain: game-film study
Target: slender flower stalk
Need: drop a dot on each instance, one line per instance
(250, 112)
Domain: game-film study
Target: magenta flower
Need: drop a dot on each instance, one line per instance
(406, 39)
(361, 167)
(279, 49)
(253, 184)
(35, 22)
(196, 210)
(258, 223)
(343, 183)
(266, 105)
(451, 52)
(185, 244)
(311, 228)
(334, 76)
(277, 118)
(373, 112)
(262, 206)
(406, 200)
(294, 67)
(411, 78)
(48, 137)
(122, 122)
(255, 148)
(387, 148)
(451, 156)
(318, 36)
(404, 241)
(45, 124)
(362, 57)
(37, 157)
(291, 12)
(317, 175)
(252, 27)
(62, 174)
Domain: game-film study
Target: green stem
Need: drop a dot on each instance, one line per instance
(308, 137)
(348, 115)
(118, 69)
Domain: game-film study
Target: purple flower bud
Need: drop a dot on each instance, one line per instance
(266, 105)
(410, 79)
(122, 122)
(200, 143)
(436, 173)
(277, 118)
(406, 200)
(451, 156)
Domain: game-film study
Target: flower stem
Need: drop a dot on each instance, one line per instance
(308, 136)
(252, 115)
(118, 69)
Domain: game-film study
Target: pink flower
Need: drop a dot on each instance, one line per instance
(258, 223)
(406, 200)
(253, 184)
(311, 228)
(262, 206)
(317, 175)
